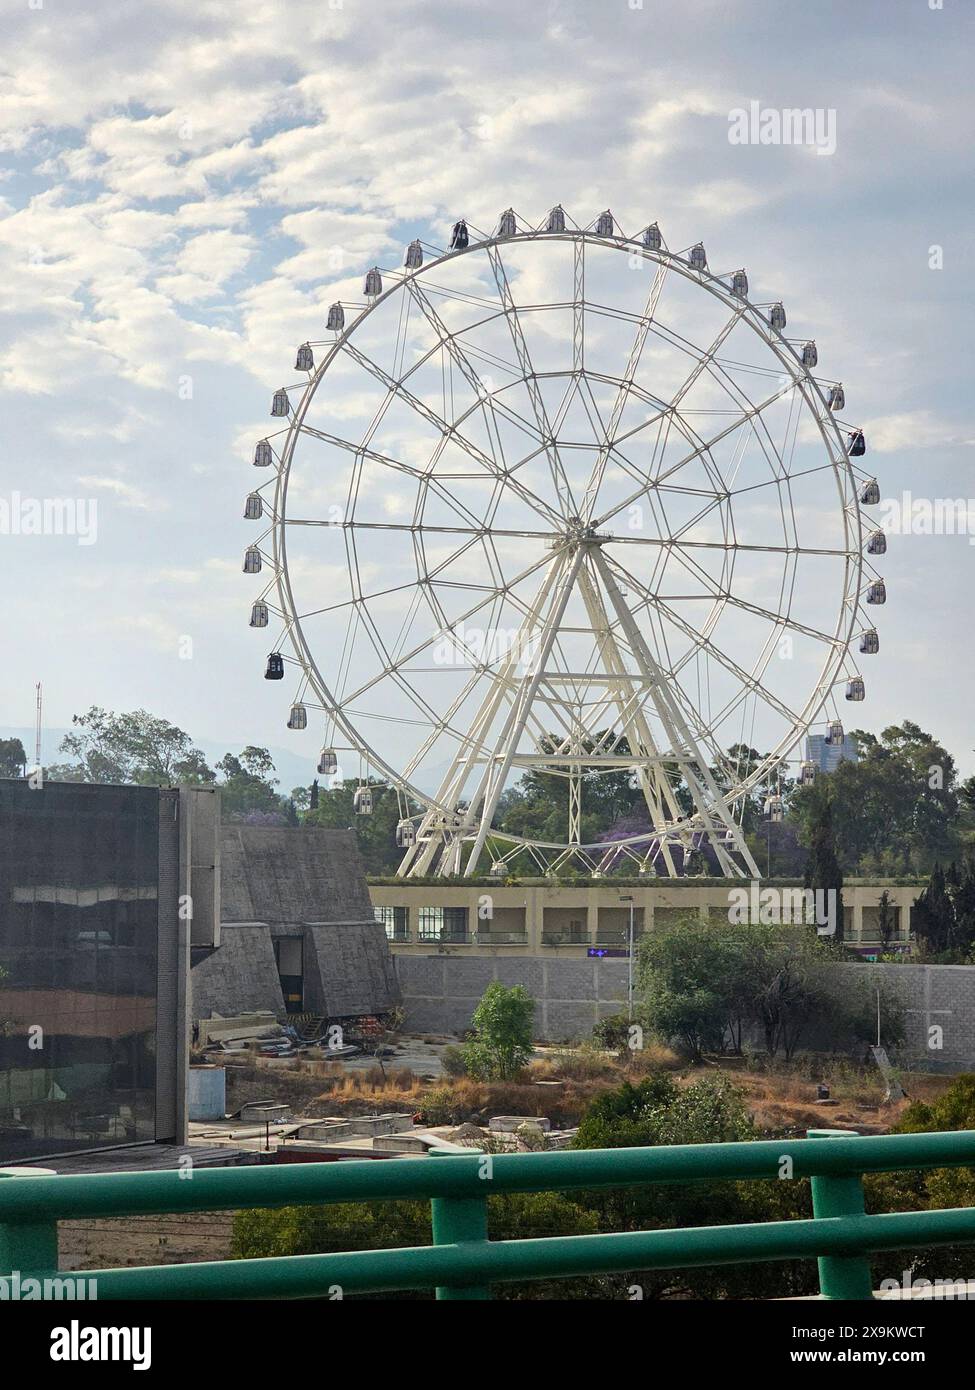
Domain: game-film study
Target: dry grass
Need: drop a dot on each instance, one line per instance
(560, 1087)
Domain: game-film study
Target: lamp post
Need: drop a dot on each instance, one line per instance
(628, 898)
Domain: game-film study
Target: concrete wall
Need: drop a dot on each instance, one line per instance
(290, 874)
(932, 996)
(440, 993)
(240, 976)
(349, 970)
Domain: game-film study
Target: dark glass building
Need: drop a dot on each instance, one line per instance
(92, 997)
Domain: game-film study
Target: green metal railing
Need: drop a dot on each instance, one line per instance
(463, 1262)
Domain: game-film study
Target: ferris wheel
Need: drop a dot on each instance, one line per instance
(560, 501)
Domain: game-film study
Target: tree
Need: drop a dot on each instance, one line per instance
(823, 872)
(943, 916)
(887, 921)
(322, 1230)
(693, 977)
(933, 914)
(248, 784)
(928, 1189)
(895, 811)
(659, 1111)
(13, 758)
(502, 1042)
(134, 747)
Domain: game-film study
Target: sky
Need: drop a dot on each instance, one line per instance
(186, 187)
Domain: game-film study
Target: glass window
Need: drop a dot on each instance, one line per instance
(79, 883)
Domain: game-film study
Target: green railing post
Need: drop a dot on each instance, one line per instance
(459, 1221)
(840, 1276)
(27, 1246)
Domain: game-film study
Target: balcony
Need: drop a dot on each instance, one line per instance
(463, 1262)
(565, 937)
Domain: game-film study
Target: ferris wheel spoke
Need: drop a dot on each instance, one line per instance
(446, 628)
(449, 433)
(730, 665)
(608, 439)
(703, 449)
(562, 489)
(494, 404)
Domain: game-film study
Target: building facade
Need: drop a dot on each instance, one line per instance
(589, 920)
(101, 888)
(298, 932)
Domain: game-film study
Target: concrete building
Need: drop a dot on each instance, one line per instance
(535, 918)
(298, 932)
(96, 884)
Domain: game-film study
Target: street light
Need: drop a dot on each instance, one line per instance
(628, 898)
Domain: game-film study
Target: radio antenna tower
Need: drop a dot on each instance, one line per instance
(37, 729)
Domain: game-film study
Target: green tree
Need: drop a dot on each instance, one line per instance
(134, 747)
(887, 921)
(13, 758)
(823, 872)
(375, 833)
(930, 1189)
(388, 1225)
(247, 783)
(658, 1110)
(694, 982)
(933, 914)
(896, 810)
(502, 1042)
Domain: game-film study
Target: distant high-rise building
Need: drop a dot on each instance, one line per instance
(828, 756)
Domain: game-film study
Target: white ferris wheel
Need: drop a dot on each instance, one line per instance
(558, 500)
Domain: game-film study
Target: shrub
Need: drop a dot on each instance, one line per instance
(452, 1061)
(502, 1042)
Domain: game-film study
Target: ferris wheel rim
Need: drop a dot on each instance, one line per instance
(831, 671)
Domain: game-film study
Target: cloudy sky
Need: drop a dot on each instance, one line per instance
(187, 185)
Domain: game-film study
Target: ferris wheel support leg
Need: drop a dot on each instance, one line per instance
(437, 839)
(499, 766)
(680, 736)
(634, 725)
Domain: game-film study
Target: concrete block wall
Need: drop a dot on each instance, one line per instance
(440, 993)
(941, 996)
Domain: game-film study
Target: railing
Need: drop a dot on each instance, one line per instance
(463, 1262)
